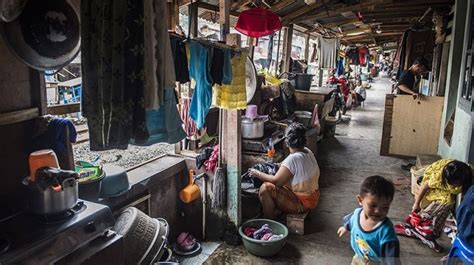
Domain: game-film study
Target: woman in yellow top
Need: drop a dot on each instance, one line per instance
(442, 180)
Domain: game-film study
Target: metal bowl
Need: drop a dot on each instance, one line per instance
(46, 36)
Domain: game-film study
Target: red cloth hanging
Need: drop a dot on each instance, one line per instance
(258, 22)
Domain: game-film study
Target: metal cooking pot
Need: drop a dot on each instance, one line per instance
(253, 128)
(54, 199)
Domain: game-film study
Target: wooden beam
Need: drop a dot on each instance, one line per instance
(240, 5)
(300, 12)
(287, 48)
(193, 20)
(224, 17)
(281, 5)
(306, 48)
(173, 14)
(18, 116)
(64, 109)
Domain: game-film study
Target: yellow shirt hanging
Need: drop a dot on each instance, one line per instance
(233, 96)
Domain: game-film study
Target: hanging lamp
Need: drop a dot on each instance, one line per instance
(258, 22)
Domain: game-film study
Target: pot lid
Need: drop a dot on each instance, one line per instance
(46, 36)
(250, 79)
(258, 22)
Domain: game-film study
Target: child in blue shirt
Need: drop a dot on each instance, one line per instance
(373, 237)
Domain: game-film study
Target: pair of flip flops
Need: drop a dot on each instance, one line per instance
(186, 245)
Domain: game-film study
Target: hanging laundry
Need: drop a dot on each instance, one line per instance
(159, 66)
(327, 50)
(53, 134)
(234, 95)
(199, 71)
(164, 124)
(340, 67)
(211, 163)
(352, 55)
(134, 68)
(180, 59)
(258, 22)
(112, 56)
(189, 125)
(203, 156)
(217, 62)
(151, 80)
(363, 53)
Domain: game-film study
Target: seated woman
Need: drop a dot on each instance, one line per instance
(360, 92)
(294, 188)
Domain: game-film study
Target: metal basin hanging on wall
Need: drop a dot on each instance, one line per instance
(46, 35)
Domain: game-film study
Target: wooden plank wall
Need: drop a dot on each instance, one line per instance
(415, 126)
(19, 87)
(387, 125)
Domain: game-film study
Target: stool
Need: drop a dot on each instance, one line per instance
(295, 222)
(460, 251)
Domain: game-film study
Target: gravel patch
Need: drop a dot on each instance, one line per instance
(128, 158)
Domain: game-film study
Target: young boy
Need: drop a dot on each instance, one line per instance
(373, 237)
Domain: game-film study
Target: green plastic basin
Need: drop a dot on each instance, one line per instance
(260, 247)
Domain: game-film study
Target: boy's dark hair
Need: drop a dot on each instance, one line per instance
(378, 186)
(457, 173)
(296, 135)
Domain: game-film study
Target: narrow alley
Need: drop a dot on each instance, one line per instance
(345, 161)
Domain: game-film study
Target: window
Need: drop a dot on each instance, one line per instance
(468, 74)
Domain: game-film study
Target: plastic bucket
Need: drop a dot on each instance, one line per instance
(260, 247)
(303, 81)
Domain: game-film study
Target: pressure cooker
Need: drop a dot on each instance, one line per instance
(253, 128)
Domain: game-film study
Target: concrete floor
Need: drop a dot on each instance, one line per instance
(345, 161)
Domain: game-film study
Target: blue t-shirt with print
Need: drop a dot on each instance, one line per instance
(375, 245)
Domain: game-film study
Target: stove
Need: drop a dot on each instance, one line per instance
(261, 144)
(31, 239)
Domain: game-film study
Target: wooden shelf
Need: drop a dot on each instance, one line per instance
(18, 116)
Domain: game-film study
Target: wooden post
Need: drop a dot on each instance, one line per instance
(224, 17)
(193, 20)
(173, 18)
(232, 140)
(306, 48)
(277, 61)
(320, 76)
(287, 48)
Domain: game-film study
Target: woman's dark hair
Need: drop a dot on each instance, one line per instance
(457, 173)
(296, 135)
(378, 186)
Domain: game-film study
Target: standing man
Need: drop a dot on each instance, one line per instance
(406, 84)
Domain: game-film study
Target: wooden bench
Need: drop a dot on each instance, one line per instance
(295, 222)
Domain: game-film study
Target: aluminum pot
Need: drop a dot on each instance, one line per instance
(252, 128)
(53, 201)
(54, 191)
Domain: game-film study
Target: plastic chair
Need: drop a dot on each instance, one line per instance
(460, 251)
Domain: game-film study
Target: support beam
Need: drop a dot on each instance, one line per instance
(193, 20)
(224, 17)
(286, 20)
(173, 15)
(281, 5)
(287, 48)
(231, 138)
(306, 48)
